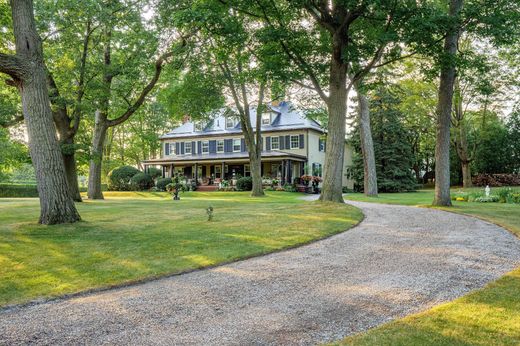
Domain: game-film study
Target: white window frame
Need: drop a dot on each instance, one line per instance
(239, 145)
(172, 149)
(266, 119)
(220, 141)
(186, 146)
(233, 122)
(247, 170)
(205, 144)
(277, 143)
(297, 141)
(199, 126)
(321, 144)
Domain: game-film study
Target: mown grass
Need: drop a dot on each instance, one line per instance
(134, 236)
(490, 316)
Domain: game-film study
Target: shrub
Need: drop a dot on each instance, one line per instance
(141, 181)
(119, 178)
(162, 182)
(484, 199)
(17, 190)
(154, 172)
(289, 188)
(496, 180)
(245, 184)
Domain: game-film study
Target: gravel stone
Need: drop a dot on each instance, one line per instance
(398, 261)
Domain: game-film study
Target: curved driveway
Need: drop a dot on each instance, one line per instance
(399, 260)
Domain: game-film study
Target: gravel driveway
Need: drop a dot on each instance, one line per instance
(399, 260)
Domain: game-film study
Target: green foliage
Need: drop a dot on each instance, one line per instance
(18, 190)
(162, 183)
(120, 178)
(513, 126)
(244, 184)
(393, 152)
(13, 155)
(487, 199)
(494, 152)
(142, 182)
(154, 172)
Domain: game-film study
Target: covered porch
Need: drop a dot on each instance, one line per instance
(211, 171)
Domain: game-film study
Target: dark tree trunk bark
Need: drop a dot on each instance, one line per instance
(367, 147)
(444, 109)
(94, 172)
(337, 109)
(55, 202)
(69, 160)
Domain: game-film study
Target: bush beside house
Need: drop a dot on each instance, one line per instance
(120, 178)
(142, 181)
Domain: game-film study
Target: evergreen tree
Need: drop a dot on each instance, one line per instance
(393, 152)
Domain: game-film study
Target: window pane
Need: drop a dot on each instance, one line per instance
(275, 142)
(187, 147)
(205, 147)
(220, 146)
(295, 142)
(236, 144)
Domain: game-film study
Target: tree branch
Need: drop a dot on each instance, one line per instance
(12, 65)
(146, 90)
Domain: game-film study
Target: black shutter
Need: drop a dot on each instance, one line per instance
(242, 144)
(166, 148)
(302, 144)
(177, 148)
(182, 148)
(212, 147)
(287, 142)
(281, 143)
(228, 145)
(199, 147)
(193, 149)
(267, 143)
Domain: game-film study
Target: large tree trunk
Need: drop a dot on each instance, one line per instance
(367, 147)
(69, 160)
(337, 109)
(94, 172)
(55, 202)
(444, 108)
(256, 175)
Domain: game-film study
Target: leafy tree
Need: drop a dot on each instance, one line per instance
(393, 153)
(27, 71)
(513, 126)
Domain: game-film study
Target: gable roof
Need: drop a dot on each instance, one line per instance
(286, 118)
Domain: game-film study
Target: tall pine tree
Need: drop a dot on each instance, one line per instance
(393, 151)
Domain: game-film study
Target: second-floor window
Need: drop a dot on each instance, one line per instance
(322, 144)
(205, 147)
(187, 148)
(220, 146)
(237, 145)
(275, 143)
(172, 149)
(295, 142)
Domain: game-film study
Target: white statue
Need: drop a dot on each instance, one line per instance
(487, 190)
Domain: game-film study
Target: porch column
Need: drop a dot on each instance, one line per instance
(196, 172)
(283, 172)
(289, 171)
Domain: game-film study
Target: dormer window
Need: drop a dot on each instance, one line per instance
(199, 126)
(266, 118)
(230, 122)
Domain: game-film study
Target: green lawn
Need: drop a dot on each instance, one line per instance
(134, 236)
(490, 316)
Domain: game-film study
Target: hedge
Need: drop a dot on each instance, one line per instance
(28, 190)
(18, 190)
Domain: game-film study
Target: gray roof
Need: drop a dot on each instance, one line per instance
(285, 117)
